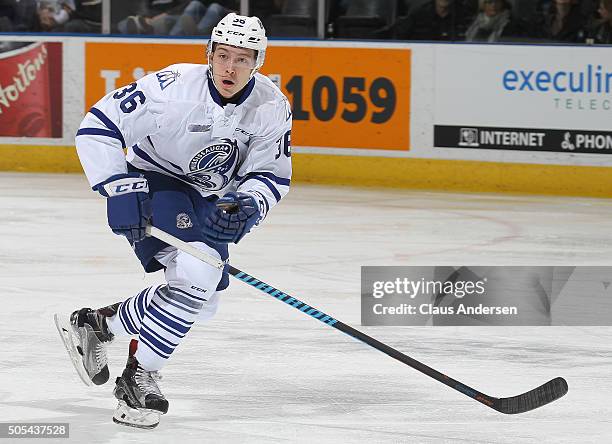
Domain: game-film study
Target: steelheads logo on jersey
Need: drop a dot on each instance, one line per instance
(214, 166)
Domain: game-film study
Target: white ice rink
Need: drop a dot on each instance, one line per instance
(263, 372)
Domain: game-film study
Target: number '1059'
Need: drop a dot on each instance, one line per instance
(381, 94)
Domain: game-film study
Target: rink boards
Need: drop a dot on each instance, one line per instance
(508, 118)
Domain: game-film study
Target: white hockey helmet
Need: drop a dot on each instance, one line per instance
(243, 32)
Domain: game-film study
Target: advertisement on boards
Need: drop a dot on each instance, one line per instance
(346, 97)
(31, 89)
(339, 97)
(555, 99)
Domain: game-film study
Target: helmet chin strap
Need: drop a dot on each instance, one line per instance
(212, 75)
(253, 71)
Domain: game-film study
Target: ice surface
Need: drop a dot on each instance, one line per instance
(263, 372)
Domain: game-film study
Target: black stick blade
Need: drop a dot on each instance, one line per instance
(549, 392)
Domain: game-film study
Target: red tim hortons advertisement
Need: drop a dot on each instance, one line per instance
(31, 89)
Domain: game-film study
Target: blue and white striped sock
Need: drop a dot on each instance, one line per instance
(131, 312)
(161, 316)
(168, 318)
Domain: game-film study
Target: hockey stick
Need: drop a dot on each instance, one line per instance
(548, 392)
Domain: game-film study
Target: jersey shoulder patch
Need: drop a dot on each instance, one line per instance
(186, 72)
(167, 77)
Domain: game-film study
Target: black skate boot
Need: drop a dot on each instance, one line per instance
(140, 400)
(85, 338)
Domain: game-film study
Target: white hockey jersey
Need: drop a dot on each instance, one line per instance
(174, 122)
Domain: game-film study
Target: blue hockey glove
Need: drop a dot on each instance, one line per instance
(128, 206)
(235, 215)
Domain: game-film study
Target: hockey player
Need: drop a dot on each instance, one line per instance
(200, 138)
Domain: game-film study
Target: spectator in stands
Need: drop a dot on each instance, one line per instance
(601, 30)
(153, 17)
(7, 12)
(560, 21)
(433, 20)
(18, 16)
(199, 19)
(265, 8)
(470, 7)
(52, 15)
(6, 25)
(81, 16)
(75, 16)
(335, 9)
(493, 22)
(590, 8)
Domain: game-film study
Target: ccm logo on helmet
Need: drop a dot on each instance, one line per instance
(229, 31)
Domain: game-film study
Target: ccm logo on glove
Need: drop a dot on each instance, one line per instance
(128, 206)
(126, 185)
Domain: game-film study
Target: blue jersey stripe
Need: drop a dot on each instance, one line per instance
(266, 182)
(265, 201)
(173, 164)
(108, 123)
(143, 155)
(278, 180)
(99, 132)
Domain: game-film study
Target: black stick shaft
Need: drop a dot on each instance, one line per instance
(326, 319)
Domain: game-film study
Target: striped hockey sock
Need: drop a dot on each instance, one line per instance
(131, 312)
(161, 316)
(168, 318)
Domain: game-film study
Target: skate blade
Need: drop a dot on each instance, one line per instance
(139, 418)
(66, 333)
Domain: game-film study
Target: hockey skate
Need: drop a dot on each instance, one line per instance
(140, 400)
(85, 336)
